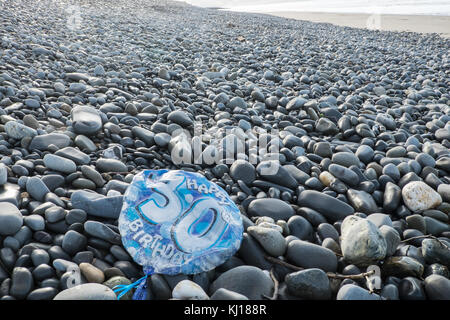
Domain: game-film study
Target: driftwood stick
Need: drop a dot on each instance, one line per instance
(427, 236)
(275, 288)
(329, 274)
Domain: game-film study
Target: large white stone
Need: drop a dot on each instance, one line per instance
(87, 291)
(361, 242)
(418, 196)
(189, 290)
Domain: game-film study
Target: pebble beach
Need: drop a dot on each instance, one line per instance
(333, 141)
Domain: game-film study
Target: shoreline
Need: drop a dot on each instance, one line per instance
(424, 24)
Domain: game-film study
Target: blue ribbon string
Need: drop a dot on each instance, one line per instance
(123, 289)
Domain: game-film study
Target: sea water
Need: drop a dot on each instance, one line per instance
(404, 7)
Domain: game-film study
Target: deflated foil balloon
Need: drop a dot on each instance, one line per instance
(173, 221)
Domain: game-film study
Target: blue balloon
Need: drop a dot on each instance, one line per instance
(173, 221)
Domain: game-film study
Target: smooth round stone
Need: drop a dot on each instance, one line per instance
(271, 170)
(418, 196)
(271, 240)
(345, 159)
(162, 139)
(385, 119)
(73, 242)
(331, 208)
(18, 131)
(300, 227)
(82, 183)
(21, 283)
(362, 243)
(86, 120)
(11, 242)
(435, 227)
(145, 135)
(392, 171)
(77, 87)
(297, 174)
(225, 294)
(323, 149)
(101, 231)
(11, 219)
(99, 70)
(243, 170)
(160, 287)
(3, 174)
(93, 175)
(344, 174)
(37, 189)
(274, 208)
(326, 230)
(46, 293)
(58, 163)
(309, 255)
(365, 153)
(110, 165)
(180, 117)
(362, 201)
(32, 103)
(42, 142)
(390, 292)
(42, 272)
(92, 273)
(53, 181)
(444, 191)
(74, 154)
(295, 103)
(354, 292)
(54, 214)
(443, 163)
(252, 253)
(96, 204)
(83, 256)
(425, 160)
(237, 102)
(39, 256)
(64, 265)
(87, 291)
(437, 287)
(30, 121)
(391, 197)
(331, 244)
(249, 281)
(189, 290)
(292, 141)
(411, 288)
(434, 252)
(442, 134)
(84, 143)
(402, 267)
(326, 126)
(392, 238)
(416, 221)
(311, 284)
(437, 214)
(119, 280)
(35, 222)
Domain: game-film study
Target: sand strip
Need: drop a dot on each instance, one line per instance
(414, 23)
